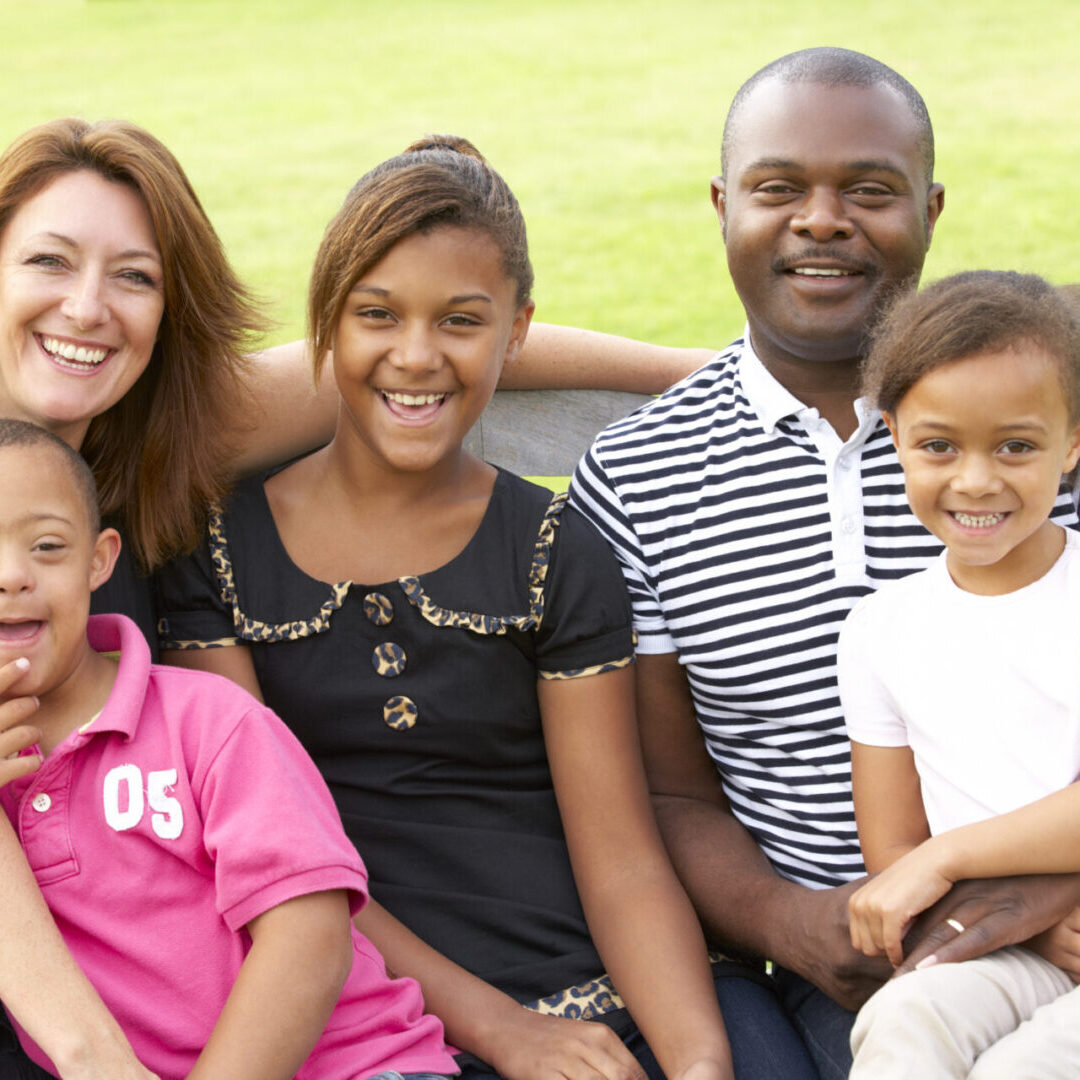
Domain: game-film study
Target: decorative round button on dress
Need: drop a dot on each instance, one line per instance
(388, 659)
(41, 802)
(379, 609)
(400, 713)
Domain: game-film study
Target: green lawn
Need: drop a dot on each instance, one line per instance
(605, 117)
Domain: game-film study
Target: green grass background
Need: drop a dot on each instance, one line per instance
(604, 116)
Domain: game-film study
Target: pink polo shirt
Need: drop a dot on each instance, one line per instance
(156, 832)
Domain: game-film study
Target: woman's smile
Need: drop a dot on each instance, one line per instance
(81, 300)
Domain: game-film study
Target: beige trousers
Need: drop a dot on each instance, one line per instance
(1007, 1016)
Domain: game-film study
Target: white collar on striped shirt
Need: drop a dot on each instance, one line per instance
(773, 402)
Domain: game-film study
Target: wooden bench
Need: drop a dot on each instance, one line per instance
(543, 433)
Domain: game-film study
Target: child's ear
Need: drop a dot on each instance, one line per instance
(103, 558)
(1072, 454)
(894, 431)
(519, 331)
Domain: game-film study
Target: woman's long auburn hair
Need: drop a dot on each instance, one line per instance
(160, 454)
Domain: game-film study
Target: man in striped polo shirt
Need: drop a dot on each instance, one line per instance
(753, 504)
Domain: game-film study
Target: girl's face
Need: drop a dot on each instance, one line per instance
(421, 342)
(81, 300)
(984, 442)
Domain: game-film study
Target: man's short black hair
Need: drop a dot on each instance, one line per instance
(830, 66)
(21, 433)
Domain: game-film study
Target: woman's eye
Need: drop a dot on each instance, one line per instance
(937, 446)
(47, 261)
(139, 277)
(375, 313)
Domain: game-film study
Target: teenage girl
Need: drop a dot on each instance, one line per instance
(452, 645)
(961, 684)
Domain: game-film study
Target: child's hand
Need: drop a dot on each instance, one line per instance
(15, 734)
(881, 912)
(1061, 944)
(536, 1047)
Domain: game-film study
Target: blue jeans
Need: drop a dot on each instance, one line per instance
(825, 1027)
(765, 1044)
(391, 1074)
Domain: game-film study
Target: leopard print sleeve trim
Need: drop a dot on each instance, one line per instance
(166, 642)
(581, 673)
(497, 624)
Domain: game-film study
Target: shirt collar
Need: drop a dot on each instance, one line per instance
(116, 633)
(772, 401)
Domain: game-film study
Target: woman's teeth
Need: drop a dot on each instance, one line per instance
(76, 355)
(412, 399)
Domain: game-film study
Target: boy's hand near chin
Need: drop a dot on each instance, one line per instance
(15, 734)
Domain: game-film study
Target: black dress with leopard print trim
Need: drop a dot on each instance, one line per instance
(417, 700)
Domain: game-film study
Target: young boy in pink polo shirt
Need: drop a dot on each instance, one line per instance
(185, 843)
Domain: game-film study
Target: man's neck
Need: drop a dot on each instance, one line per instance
(830, 386)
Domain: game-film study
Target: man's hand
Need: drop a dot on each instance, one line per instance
(813, 940)
(993, 912)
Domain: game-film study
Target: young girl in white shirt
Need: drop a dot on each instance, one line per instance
(961, 684)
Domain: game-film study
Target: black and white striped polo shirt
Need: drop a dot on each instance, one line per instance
(747, 530)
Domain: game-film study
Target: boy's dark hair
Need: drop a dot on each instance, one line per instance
(21, 433)
(975, 312)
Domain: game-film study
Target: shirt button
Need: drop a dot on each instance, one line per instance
(41, 802)
(388, 660)
(848, 525)
(844, 463)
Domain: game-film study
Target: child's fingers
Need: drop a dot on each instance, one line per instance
(862, 935)
(14, 738)
(17, 711)
(11, 672)
(15, 767)
(14, 734)
(893, 940)
(860, 916)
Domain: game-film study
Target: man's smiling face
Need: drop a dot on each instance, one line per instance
(826, 208)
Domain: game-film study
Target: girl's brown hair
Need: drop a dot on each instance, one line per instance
(975, 312)
(439, 180)
(159, 454)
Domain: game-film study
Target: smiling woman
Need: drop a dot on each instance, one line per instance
(106, 249)
(82, 299)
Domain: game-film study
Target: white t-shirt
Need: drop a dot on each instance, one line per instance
(984, 689)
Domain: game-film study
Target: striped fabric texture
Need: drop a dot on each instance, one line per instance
(746, 531)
